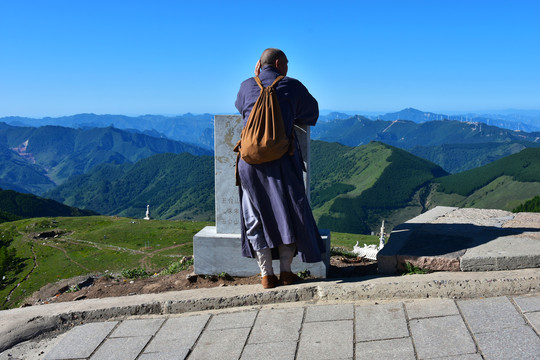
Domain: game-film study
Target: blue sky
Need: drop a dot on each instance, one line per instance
(172, 57)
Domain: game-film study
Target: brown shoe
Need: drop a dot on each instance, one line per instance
(289, 278)
(269, 281)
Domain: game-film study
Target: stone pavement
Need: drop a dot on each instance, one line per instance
(505, 327)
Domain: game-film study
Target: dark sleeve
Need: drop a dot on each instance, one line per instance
(307, 108)
(239, 103)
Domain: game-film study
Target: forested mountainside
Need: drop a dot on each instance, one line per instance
(355, 188)
(37, 159)
(15, 206)
(532, 205)
(176, 186)
(451, 141)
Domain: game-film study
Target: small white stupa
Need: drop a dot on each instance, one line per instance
(147, 217)
(370, 251)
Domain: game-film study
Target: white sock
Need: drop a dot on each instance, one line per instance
(264, 259)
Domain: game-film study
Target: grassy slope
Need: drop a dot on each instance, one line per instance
(502, 184)
(502, 193)
(94, 244)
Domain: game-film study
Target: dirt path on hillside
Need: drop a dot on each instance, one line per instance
(144, 260)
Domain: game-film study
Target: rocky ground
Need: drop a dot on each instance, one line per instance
(100, 286)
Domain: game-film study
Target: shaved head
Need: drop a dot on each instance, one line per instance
(270, 55)
(275, 58)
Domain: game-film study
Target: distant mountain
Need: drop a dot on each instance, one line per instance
(36, 159)
(188, 128)
(513, 120)
(414, 115)
(454, 145)
(456, 158)
(176, 186)
(334, 115)
(407, 134)
(14, 206)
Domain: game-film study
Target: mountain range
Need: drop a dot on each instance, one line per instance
(454, 145)
(520, 120)
(352, 188)
(187, 128)
(355, 164)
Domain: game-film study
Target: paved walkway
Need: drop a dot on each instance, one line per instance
(505, 327)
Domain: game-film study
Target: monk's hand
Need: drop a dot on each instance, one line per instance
(258, 68)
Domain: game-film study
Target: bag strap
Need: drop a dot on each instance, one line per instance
(274, 83)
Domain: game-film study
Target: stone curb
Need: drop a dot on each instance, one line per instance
(22, 324)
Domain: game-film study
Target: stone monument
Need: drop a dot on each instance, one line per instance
(217, 249)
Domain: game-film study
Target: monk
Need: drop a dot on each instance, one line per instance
(276, 218)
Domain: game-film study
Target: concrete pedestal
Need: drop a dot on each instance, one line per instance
(217, 249)
(215, 253)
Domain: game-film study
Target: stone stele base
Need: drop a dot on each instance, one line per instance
(216, 253)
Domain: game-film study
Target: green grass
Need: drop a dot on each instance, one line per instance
(347, 241)
(93, 245)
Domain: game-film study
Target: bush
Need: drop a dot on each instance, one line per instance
(177, 266)
(532, 205)
(135, 273)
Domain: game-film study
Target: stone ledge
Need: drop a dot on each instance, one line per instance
(22, 324)
(454, 239)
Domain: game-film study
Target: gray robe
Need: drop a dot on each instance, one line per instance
(276, 188)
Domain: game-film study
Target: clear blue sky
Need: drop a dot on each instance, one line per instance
(172, 57)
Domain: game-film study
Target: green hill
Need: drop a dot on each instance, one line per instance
(14, 205)
(176, 186)
(502, 184)
(354, 189)
(37, 159)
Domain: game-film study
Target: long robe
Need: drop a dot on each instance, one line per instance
(276, 188)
